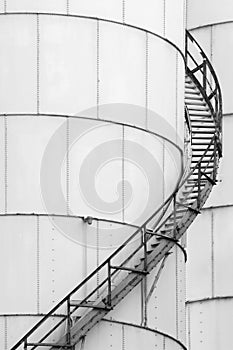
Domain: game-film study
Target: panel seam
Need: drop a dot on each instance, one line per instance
(123, 173)
(146, 79)
(67, 167)
(164, 18)
(38, 261)
(68, 7)
(38, 64)
(123, 10)
(98, 67)
(212, 256)
(6, 163)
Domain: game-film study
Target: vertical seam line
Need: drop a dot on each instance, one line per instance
(189, 327)
(6, 332)
(97, 257)
(184, 21)
(212, 256)
(177, 293)
(67, 166)
(98, 68)
(38, 63)
(211, 51)
(123, 11)
(123, 337)
(6, 162)
(177, 72)
(67, 7)
(163, 168)
(5, 6)
(146, 78)
(164, 342)
(123, 173)
(164, 18)
(38, 261)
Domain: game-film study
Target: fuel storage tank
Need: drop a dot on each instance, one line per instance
(92, 134)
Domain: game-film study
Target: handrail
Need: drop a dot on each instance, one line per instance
(202, 66)
(141, 232)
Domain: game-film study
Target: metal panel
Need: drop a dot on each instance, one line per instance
(211, 325)
(18, 89)
(201, 13)
(3, 332)
(222, 194)
(138, 338)
(143, 161)
(63, 264)
(223, 247)
(27, 143)
(67, 65)
(199, 258)
(129, 309)
(18, 265)
(165, 299)
(215, 41)
(174, 22)
(55, 6)
(110, 9)
(162, 68)
(3, 163)
(95, 169)
(223, 45)
(106, 335)
(148, 16)
(180, 71)
(122, 65)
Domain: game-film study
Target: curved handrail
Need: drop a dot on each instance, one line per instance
(204, 66)
(215, 145)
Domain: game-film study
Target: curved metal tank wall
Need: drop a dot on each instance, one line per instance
(209, 268)
(91, 125)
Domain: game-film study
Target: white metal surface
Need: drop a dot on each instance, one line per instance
(166, 18)
(71, 66)
(210, 324)
(208, 12)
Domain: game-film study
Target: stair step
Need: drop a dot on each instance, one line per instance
(50, 345)
(194, 98)
(192, 92)
(154, 245)
(197, 131)
(189, 85)
(202, 141)
(196, 103)
(87, 304)
(202, 138)
(199, 108)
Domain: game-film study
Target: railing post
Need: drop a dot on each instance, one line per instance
(204, 73)
(144, 281)
(144, 241)
(68, 323)
(186, 49)
(174, 216)
(109, 285)
(199, 187)
(25, 346)
(215, 159)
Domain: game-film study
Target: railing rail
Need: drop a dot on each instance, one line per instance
(207, 80)
(142, 234)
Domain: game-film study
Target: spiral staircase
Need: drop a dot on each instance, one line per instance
(122, 271)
